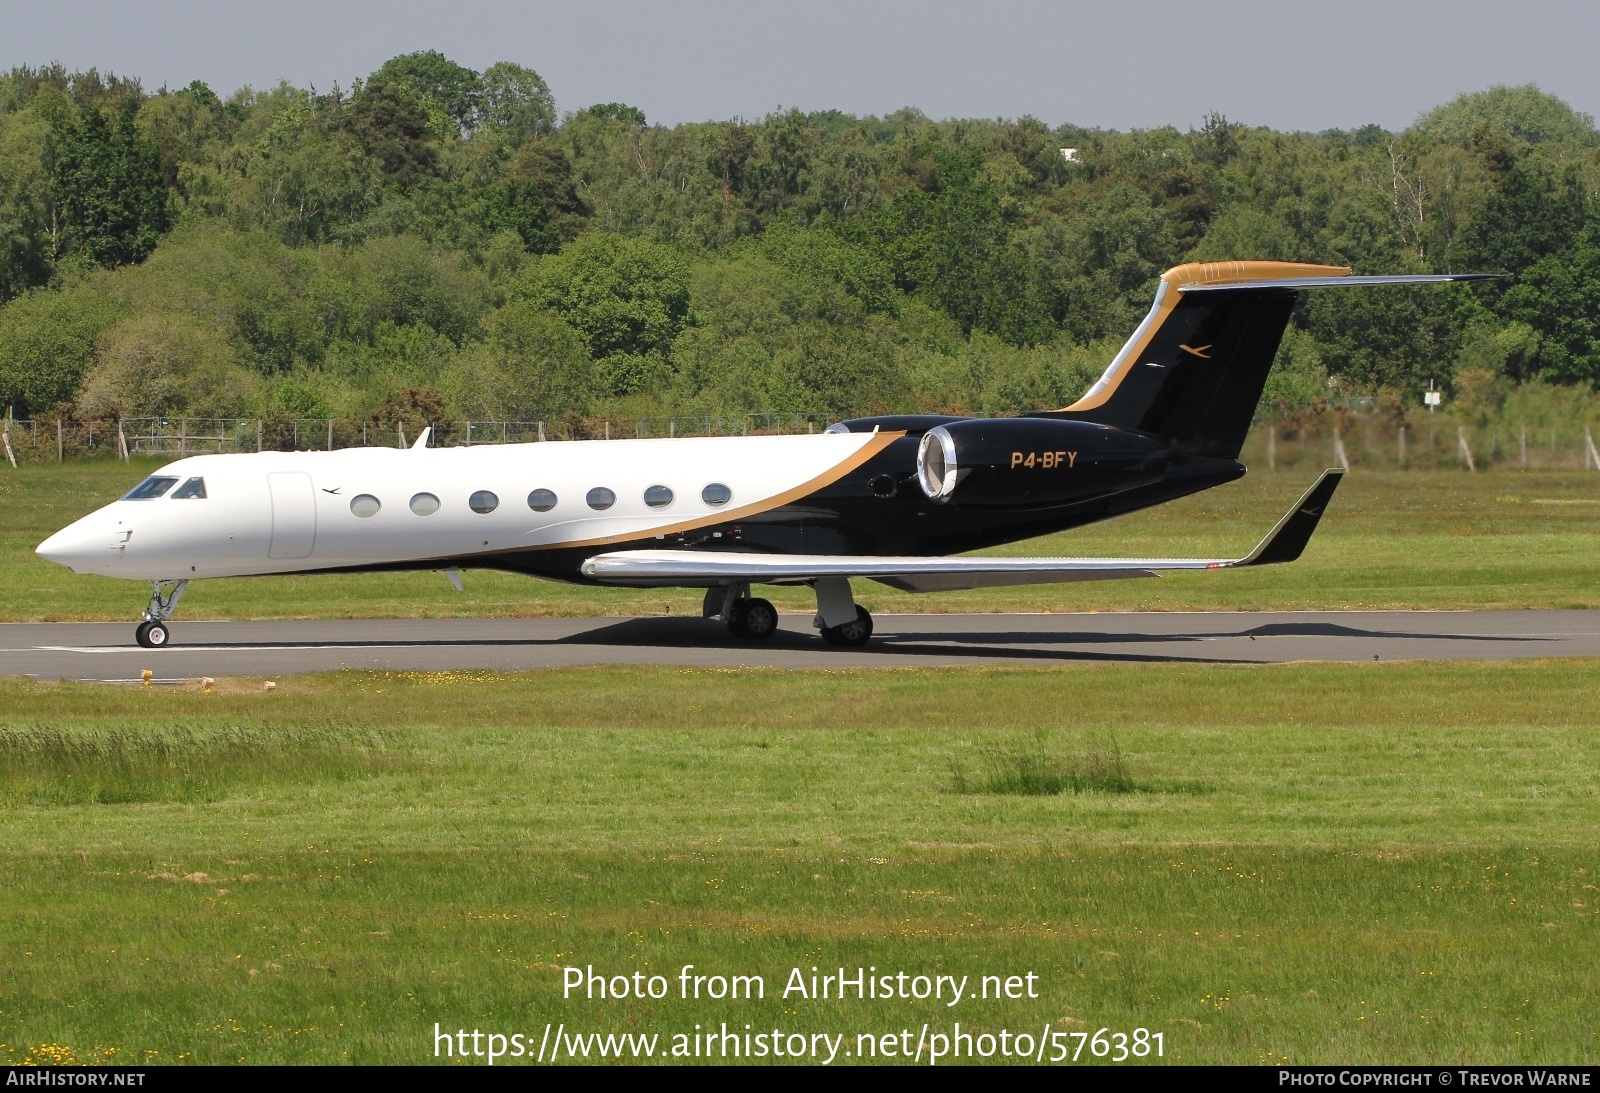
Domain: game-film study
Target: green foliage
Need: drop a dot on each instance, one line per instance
(165, 364)
(109, 183)
(1523, 114)
(369, 242)
(27, 249)
(437, 81)
(47, 342)
(533, 367)
(391, 126)
(516, 104)
(626, 298)
(951, 246)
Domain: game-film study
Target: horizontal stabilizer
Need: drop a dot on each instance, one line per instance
(1336, 282)
(1284, 543)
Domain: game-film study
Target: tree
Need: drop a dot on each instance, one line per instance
(108, 181)
(616, 111)
(627, 299)
(25, 205)
(516, 103)
(1527, 216)
(437, 81)
(392, 128)
(165, 364)
(539, 201)
(952, 247)
(1524, 115)
(47, 342)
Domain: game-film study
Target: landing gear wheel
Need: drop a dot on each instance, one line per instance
(753, 620)
(850, 633)
(151, 635)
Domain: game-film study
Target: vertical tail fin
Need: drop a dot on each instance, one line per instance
(1194, 370)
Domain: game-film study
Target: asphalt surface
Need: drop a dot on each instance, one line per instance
(107, 652)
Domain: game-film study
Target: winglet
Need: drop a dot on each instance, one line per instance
(1285, 542)
(422, 438)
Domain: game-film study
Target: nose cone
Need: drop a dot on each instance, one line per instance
(77, 546)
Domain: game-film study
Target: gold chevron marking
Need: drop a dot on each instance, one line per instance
(1201, 352)
(1309, 511)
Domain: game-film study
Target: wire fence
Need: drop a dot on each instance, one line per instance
(1273, 444)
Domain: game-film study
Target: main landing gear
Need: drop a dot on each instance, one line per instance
(152, 633)
(840, 619)
(750, 619)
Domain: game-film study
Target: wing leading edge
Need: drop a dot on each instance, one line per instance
(1284, 543)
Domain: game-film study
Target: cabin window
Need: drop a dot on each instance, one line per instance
(154, 486)
(365, 505)
(424, 504)
(716, 495)
(190, 490)
(483, 502)
(658, 497)
(601, 498)
(541, 500)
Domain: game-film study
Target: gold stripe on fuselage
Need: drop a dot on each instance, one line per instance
(872, 447)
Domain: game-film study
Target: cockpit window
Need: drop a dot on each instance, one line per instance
(195, 487)
(154, 486)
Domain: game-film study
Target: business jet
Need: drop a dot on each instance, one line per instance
(888, 499)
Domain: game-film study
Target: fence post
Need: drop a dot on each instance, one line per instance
(400, 431)
(1463, 448)
(1524, 447)
(5, 435)
(1590, 455)
(183, 437)
(330, 434)
(541, 430)
(1272, 445)
(1402, 446)
(258, 434)
(608, 428)
(1338, 449)
(61, 444)
(122, 439)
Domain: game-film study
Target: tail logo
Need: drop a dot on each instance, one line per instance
(1309, 511)
(1200, 352)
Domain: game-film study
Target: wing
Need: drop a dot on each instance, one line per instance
(690, 567)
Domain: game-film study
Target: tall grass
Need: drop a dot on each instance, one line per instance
(41, 764)
(1031, 769)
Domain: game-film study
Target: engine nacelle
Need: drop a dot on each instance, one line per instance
(1034, 461)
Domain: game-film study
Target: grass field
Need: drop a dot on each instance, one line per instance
(1434, 539)
(1370, 863)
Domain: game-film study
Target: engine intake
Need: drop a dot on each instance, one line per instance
(1034, 461)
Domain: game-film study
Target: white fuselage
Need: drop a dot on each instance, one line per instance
(289, 512)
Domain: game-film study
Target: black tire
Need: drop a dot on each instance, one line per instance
(753, 620)
(854, 633)
(152, 635)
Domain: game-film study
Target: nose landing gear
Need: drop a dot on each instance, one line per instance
(152, 633)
